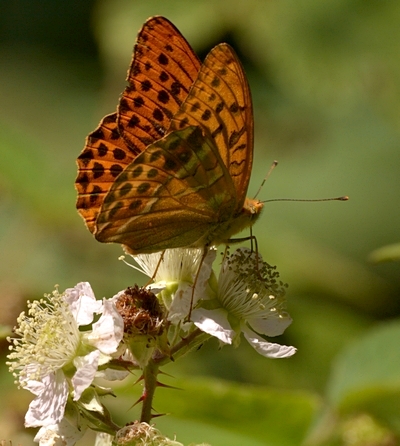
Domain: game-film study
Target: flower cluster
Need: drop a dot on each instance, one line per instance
(246, 298)
(57, 361)
(67, 340)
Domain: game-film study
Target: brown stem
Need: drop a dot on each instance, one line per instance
(150, 373)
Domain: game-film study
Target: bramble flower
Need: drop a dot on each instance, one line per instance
(176, 270)
(248, 299)
(64, 433)
(143, 317)
(143, 434)
(53, 359)
(103, 439)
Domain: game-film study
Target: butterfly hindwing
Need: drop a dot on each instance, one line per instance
(176, 191)
(220, 102)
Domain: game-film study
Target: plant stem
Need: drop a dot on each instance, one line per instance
(150, 373)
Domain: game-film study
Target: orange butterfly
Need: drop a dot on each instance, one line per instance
(171, 168)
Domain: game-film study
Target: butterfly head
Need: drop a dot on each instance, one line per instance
(247, 216)
(252, 208)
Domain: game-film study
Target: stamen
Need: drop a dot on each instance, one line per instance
(248, 286)
(48, 339)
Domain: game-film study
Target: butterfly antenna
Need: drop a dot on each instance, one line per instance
(344, 198)
(273, 165)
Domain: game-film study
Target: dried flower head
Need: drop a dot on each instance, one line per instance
(141, 311)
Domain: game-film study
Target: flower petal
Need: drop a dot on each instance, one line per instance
(268, 349)
(82, 302)
(273, 326)
(184, 298)
(103, 439)
(49, 405)
(205, 268)
(86, 370)
(108, 331)
(181, 303)
(61, 434)
(157, 287)
(113, 374)
(215, 323)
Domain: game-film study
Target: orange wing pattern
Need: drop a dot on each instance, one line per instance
(104, 157)
(171, 168)
(220, 101)
(163, 68)
(176, 193)
(162, 71)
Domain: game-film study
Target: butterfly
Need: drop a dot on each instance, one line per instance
(172, 166)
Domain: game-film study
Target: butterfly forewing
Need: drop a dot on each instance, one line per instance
(220, 102)
(104, 157)
(163, 69)
(171, 195)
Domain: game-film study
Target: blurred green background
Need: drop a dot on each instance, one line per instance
(325, 79)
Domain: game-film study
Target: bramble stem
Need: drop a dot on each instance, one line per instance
(150, 373)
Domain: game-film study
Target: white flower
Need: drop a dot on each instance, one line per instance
(175, 271)
(52, 393)
(63, 433)
(52, 358)
(108, 330)
(103, 439)
(248, 300)
(82, 303)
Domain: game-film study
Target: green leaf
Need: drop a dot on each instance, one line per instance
(366, 376)
(388, 253)
(222, 413)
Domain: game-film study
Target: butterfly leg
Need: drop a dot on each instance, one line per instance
(205, 251)
(153, 277)
(226, 253)
(253, 239)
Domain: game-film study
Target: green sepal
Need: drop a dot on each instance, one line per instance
(95, 413)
